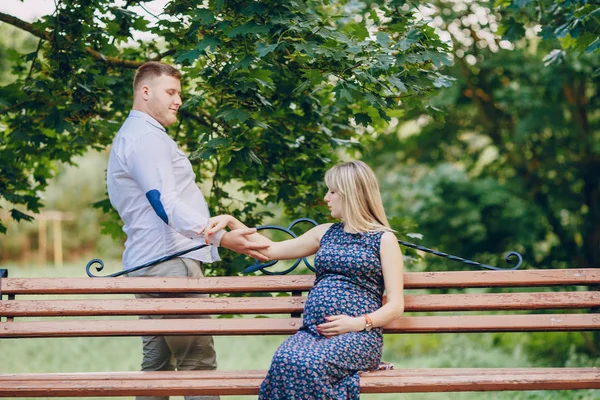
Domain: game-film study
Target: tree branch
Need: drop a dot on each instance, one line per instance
(113, 61)
(19, 23)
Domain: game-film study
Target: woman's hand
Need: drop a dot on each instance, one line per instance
(339, 324)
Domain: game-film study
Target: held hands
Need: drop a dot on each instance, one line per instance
(238, 239)
(217, 223)
(339, 324)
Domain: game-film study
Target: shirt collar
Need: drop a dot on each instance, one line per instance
(147, 118)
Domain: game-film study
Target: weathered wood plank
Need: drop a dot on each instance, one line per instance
(280, 305)
(237, 284)
(174, 306)
(247, 383)
(260, 374)
(283, 326)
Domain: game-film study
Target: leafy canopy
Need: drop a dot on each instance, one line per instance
(273, 89)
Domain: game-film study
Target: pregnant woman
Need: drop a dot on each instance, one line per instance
(356, 260)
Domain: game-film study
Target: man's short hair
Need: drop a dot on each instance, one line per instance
(153, 69)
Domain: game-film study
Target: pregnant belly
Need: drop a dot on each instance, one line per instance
(338, 298)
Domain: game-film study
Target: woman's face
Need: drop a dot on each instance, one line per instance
(334, 202)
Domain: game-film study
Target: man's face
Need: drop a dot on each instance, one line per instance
(163, 98)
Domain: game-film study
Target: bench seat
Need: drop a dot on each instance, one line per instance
(526, 301)
(183, 383)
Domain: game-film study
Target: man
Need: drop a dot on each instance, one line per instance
(152, 186)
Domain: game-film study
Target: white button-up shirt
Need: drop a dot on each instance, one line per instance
(152, 186)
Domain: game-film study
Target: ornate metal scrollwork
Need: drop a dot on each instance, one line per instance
(262, 267)
(510, 256)
(148, 264)
(3, 274)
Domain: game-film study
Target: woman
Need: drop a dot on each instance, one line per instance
(355, 261)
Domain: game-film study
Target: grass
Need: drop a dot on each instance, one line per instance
(405, 351)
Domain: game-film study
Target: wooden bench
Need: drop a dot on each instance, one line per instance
(565, 310)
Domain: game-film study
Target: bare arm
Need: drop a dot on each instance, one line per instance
(392, 265)
(238, 241)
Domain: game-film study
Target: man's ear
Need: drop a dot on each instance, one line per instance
(145, 92)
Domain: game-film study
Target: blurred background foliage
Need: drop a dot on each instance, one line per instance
(481, 119)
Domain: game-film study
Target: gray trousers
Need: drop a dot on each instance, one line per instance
(181, 353)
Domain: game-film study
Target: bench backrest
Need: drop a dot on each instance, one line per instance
(24, 314)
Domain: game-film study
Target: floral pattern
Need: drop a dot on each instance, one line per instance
(348, 281)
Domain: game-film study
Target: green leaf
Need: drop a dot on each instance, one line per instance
(313, 75)
(20, 216)
(363, 119)
(217, 5)
(229, 114)
(254, 8)
(217, 142)
(188, 57)
(594, 46)
(513, 30)
(250, 156)
(383, 39)
(358, 31)
(521, 3)
(208, 42)
(438, 59)
(31, 56)
(303, 86)
(442, 81)
(248, 28)
(397, 83)
(411, 38)
(204, 16)
(344, 94)
(263, 77)
(263, 49)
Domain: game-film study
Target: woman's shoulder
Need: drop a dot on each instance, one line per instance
(323, 228)
(388, 238)
(388, 235)
(320, 230)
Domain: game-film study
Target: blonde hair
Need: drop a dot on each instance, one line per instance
(362, 207)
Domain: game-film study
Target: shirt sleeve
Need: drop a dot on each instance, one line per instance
(151, 166)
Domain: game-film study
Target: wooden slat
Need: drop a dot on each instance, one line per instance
(247, 382)
(280, 305)
(283, 326)
(172, 306)
(229, 284)
(485, 380)
(260, 374)
(237, 284)
(502, 301)
(495, 323)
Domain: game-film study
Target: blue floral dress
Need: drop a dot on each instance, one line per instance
(348, 281)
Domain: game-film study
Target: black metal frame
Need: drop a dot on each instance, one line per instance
(509, 257)
(3, 274)
(261, 267)
(148, 264)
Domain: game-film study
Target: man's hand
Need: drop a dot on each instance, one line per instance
(215, 224)
(237, 241)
